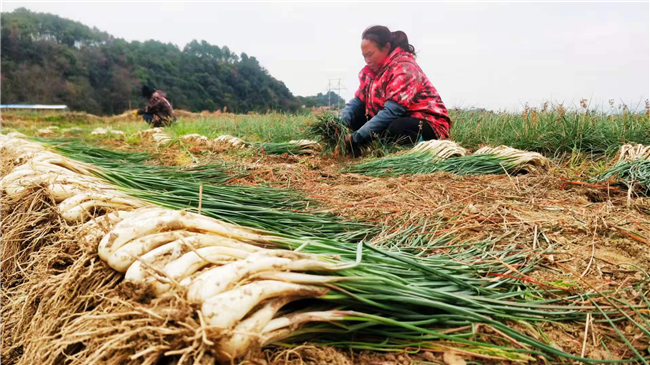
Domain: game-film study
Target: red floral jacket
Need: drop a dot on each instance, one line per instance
(401, 80)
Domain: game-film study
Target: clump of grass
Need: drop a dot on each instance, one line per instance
(271, 127)
(551, 130)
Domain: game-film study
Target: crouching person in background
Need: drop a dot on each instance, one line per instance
(159, 111)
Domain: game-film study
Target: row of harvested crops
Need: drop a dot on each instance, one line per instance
(296, 147)
(161, 138)
(432, 156)
(176, 284)
(428, 157)
(425, 157)
(631, 168)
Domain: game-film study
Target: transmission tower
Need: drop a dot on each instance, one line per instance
(338, 87)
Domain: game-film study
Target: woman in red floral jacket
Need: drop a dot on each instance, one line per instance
(395, 99)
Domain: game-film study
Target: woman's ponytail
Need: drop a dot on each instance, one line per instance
(400, 39)
(381, 35)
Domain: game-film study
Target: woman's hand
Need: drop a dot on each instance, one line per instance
(347, 141)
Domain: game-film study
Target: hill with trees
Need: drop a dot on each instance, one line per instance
(47, 59)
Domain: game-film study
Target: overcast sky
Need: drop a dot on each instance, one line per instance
(492, 55)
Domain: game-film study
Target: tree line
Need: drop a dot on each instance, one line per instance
(47, 59)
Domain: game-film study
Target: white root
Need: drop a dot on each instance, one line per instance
(524, 160)
(87, 209)
(80, 206)
(248, 331)
(161, 138)
(47, 130)
(19, 183)
(190, 240)
(630, 152)
(168, 220)
(71, 130)
(60, 192)
(122, 258)
(220, 279)
(191, 262)
(117, 198)
(226, 309)
(282, 327)
(66, 163)
(33, 152)
(64, 188)
(96, 228)
(439, 149)
(134, 220)
(197, 139)
(26, 154)
(230, 140)
(23, 179)
(102, 132)
(167, 253)
(27, 170)
(149, 132)
(307, 145)
(157, 257)
(296, 319)
(16, 135)
(15, 142)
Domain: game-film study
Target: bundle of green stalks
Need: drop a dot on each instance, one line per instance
(425, 163)
(298, 147)
(331, 130)
(635, 175)
(128, 162)
(266, 208)
(392, 301)
(73, 147)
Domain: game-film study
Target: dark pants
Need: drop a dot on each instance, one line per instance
(402, 130)
(156, 122)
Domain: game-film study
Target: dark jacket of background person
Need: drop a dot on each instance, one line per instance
(160, 110)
